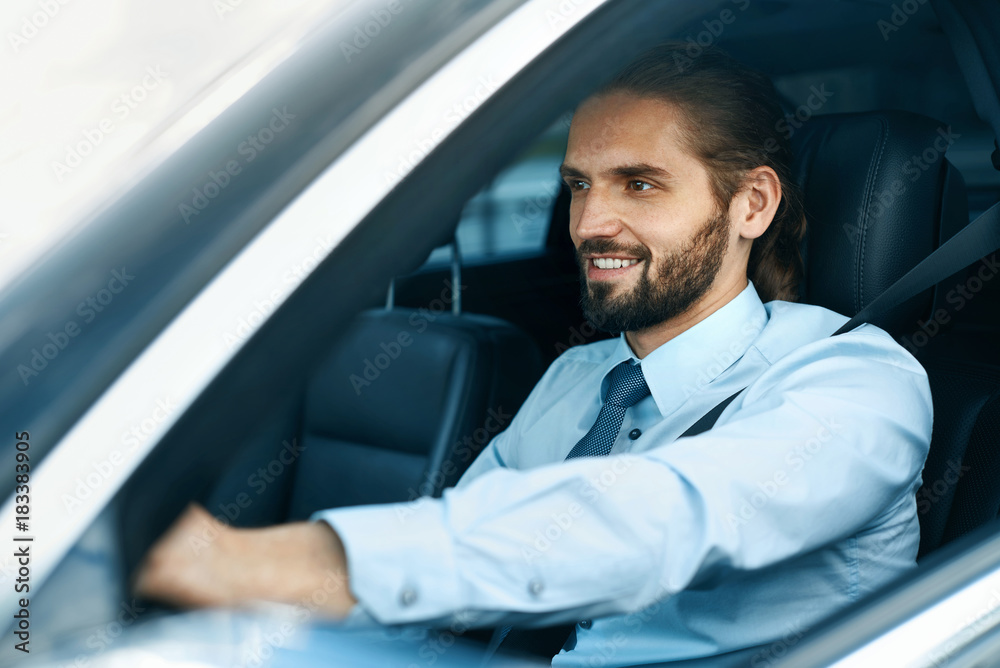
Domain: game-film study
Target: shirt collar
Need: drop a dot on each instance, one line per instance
(691, 360)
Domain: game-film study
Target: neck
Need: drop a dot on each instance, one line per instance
(647, 340)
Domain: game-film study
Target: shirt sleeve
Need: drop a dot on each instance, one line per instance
(829, 440)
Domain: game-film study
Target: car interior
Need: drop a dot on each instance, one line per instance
(404, 377)
(409, 434)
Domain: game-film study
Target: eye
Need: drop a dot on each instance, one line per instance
(576, 184)
(638, 185)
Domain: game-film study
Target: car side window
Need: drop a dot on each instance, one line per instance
(510, 216)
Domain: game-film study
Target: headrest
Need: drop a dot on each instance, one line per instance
(405, 379)
(879, 197)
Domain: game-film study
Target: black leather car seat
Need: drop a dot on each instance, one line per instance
(880, 195)
(404, 403)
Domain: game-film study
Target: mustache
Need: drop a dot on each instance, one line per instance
(609, 247)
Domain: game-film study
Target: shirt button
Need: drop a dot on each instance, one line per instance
(535, 587)
(634, 434)
(586, 624)
(407, 597)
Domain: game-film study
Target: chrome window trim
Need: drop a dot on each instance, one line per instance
(180, 363)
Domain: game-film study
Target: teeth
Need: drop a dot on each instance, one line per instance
(612, 263)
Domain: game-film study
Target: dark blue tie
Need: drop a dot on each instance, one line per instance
(627, 387)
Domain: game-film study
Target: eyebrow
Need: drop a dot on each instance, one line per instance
(632, 170)
(567, 171)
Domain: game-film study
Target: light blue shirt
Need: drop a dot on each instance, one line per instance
(800, 501)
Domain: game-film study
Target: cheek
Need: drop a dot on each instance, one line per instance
(660, 234)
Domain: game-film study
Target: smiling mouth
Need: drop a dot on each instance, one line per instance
(612, 262)
(609, 268)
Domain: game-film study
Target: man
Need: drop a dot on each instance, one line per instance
(589, 508)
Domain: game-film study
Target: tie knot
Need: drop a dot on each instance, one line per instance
(628, 385)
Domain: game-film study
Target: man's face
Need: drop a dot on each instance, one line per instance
(648, 233)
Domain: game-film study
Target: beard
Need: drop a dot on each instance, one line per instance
(681, 279)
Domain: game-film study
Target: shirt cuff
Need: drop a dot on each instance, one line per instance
(400, 559)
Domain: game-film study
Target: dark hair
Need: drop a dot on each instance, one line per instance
(730, 119)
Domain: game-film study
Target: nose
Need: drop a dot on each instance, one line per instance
(593, 217)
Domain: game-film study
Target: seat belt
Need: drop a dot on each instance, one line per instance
(707, 421)
(978, 239)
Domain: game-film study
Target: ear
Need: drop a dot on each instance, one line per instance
(756, 203)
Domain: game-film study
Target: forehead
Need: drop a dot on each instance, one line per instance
(620, 128)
